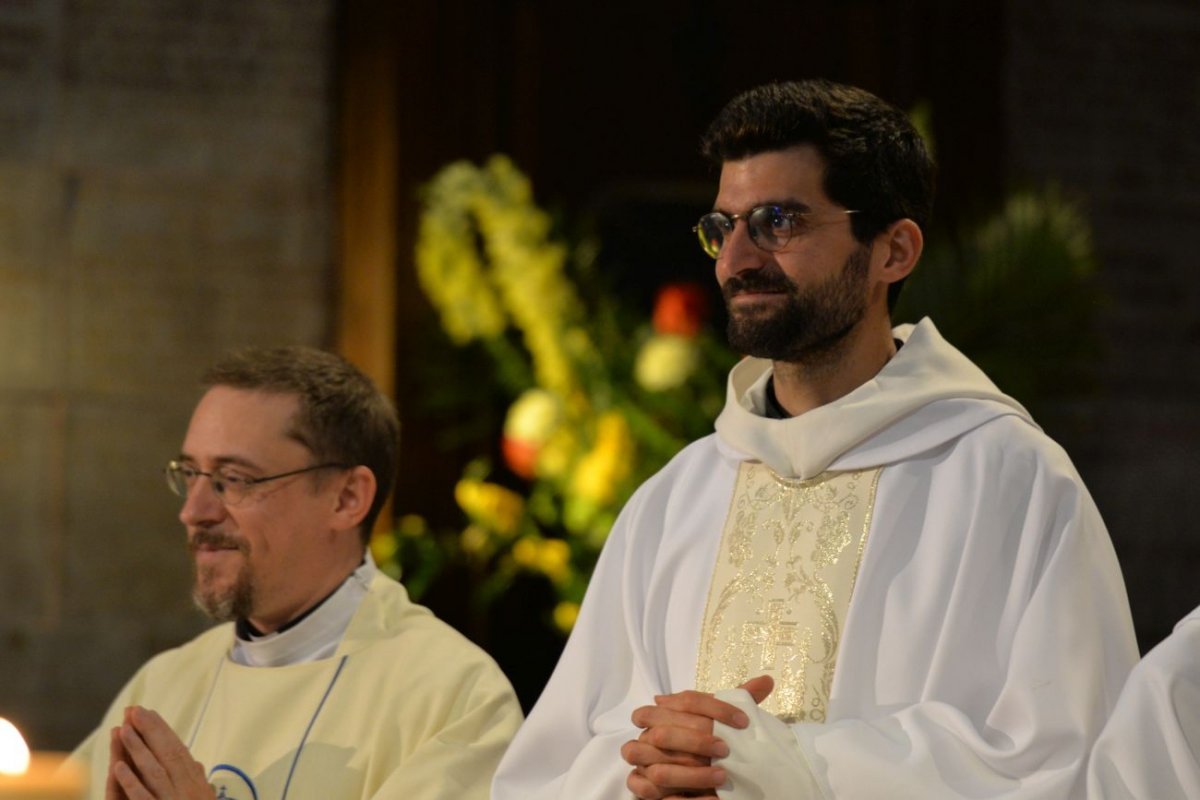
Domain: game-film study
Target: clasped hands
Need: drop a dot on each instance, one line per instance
(147, 761)
(672, 758)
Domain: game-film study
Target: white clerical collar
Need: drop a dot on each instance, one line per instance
(316, 636)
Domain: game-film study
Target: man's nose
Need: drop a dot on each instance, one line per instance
(203, 505)
(739, 252)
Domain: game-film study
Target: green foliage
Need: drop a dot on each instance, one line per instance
(1017, 293)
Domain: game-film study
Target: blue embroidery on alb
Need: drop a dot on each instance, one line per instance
(241, 783)
(311, 722)
(231, 783)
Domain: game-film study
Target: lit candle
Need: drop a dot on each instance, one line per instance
(34, 776)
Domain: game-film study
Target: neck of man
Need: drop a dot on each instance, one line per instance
(837, 370)
(339, 567)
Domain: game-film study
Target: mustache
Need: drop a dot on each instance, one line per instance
(759, 280)
(218, 540)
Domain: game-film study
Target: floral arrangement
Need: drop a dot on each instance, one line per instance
(600, 396)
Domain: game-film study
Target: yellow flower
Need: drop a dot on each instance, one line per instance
(610, 461)
(550, 557)
(557, 453)
(525, 552)
(665, 362)
(565, 614)
(554, 560)
(448, 262)
(490, 504)
(519, 273)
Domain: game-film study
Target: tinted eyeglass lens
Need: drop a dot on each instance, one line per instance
(712, 230)
(770, 227)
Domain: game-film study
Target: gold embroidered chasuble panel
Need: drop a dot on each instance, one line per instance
(789, 556)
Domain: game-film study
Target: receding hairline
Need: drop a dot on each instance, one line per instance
(290, 427)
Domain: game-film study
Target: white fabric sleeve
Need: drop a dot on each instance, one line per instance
(569, 747)
(764, 761)
(1150, 747)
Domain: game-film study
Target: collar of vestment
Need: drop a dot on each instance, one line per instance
(927, 394)
(314, 637)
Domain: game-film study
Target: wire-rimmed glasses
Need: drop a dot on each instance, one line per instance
(230, 484)
(770, 226)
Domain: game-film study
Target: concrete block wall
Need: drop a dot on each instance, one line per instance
(165, 194)
(1103, 97)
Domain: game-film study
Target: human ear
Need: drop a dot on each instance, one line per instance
(903, 243)
(356, 492)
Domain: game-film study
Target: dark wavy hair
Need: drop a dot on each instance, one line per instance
(876, 161)
(343, 418)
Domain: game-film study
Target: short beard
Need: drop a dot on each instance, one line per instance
(812, 325)
(234, 602)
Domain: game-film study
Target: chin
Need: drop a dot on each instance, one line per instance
(223, 603)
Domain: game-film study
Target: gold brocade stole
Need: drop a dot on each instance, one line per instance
(789, 557)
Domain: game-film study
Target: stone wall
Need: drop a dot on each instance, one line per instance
(1104, 97)
(165, 185)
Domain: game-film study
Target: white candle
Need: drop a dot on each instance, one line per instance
(34, 776)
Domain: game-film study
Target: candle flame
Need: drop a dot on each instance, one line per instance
(14, 753)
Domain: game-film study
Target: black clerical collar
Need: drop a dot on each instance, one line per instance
(248, 633)
(773, 408)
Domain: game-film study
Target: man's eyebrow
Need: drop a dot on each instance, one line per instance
(221, 461)
(788, 204)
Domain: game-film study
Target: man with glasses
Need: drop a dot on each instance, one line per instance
(905, 577)
(325, 681)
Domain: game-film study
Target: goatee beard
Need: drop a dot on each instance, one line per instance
(228, 603)
(811, 324)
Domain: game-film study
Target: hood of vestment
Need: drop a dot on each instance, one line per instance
(926, 395)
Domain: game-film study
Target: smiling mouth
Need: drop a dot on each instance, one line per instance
(753, 285)
(748, 297)
(208, 543)
(756, 293)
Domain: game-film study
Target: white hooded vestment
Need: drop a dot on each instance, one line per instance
(918, 566)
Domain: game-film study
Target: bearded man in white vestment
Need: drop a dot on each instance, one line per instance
(879, 578)
(1150, 748)
(325, 681)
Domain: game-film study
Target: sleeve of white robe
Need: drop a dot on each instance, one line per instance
(1150, 748)
(1067, 661)
(569, 747)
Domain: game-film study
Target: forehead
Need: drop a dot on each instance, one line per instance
(241, 424)
(795, 174)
